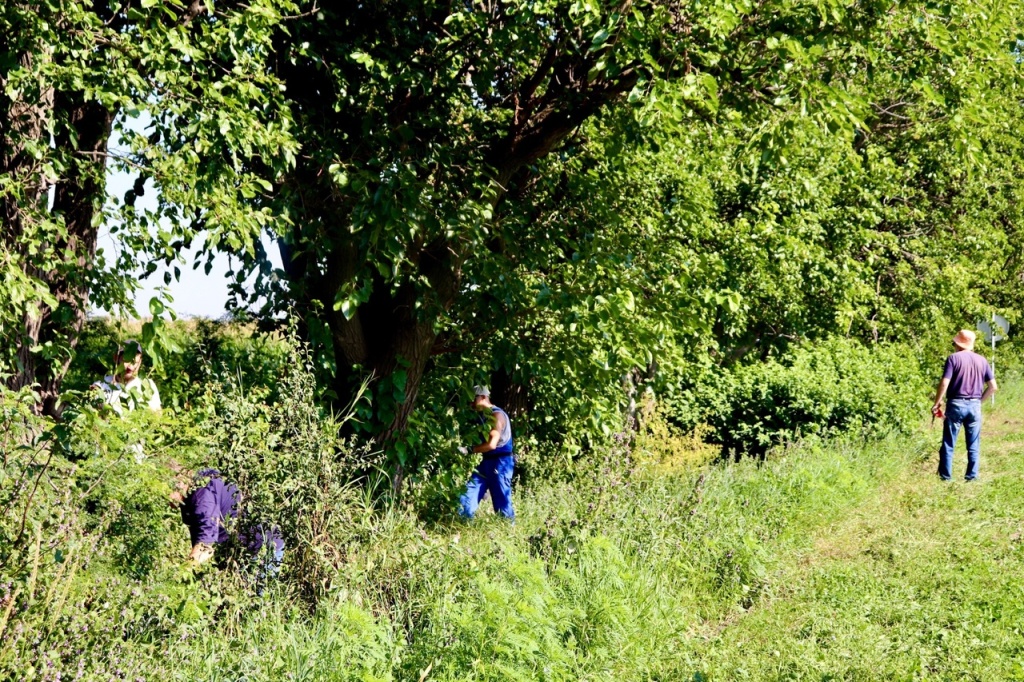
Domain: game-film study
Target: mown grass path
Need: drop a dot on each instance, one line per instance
(923, 580)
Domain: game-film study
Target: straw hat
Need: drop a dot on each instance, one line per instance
(964, 339)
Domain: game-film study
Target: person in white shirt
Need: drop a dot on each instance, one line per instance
(125, 389)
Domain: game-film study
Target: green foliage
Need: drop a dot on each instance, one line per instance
(770, 218)
(659, 255)
(607, 574)
(128, 501)
(439, 140)
(839, 386)
(86, 509)
(662, 446)
(193, 353)
(175, 94)
(341, 642)
(75, 536)
(565, 199)
(294, 470)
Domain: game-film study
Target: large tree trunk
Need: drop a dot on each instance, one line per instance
(78, 198)
(509, 394)
(82, 131)
(24, 125)
(21, 125)
(390, 337)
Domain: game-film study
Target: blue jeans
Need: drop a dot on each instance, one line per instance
(268, 565)
(967, 412)
(494, 475)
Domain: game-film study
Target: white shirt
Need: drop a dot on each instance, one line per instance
(136, 392)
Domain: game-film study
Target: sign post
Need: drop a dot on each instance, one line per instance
(996, 330)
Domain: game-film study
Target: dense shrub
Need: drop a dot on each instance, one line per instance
(614, 552)
(821, 389)
(92, 567)
(604, 575)
(191, 354)
(662, 446)
(292, 466)
(89, 546)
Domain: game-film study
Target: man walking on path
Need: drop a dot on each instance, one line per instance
(967, 381)
(494, 473)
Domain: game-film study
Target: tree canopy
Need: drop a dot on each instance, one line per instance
(573, 200)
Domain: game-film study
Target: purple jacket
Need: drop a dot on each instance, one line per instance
(206, 510)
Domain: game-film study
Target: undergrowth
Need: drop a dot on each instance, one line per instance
(648, 561)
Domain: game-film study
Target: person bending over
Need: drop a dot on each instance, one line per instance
(209, 506)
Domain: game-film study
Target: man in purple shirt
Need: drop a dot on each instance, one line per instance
(208, 505)
(967, 381)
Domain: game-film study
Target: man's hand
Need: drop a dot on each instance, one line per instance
(937, 410)
(990, 389)
(939, 395)
(176, 499)
(201, 553)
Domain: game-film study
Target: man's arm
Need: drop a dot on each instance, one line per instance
(943, 385)
(154, 398)
(990, 388)
(492, 438)
(492, 442)
(207, 515)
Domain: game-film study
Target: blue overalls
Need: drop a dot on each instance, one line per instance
(494, 474)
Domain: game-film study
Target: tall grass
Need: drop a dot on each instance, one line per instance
(828, 559)
(618, 576)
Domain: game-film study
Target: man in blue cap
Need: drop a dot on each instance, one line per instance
(494, 473)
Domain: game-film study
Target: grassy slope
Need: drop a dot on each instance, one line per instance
(827, 562)
(919, 581)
